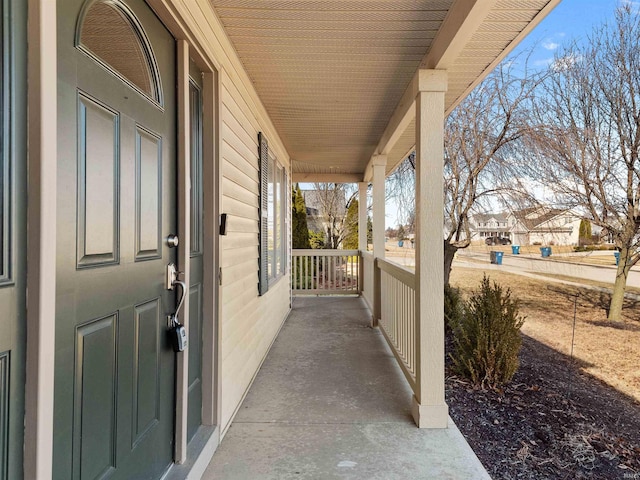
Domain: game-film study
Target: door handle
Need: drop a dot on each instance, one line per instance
(183, 292)
(172, 282)
(172, 276)
(177, 331)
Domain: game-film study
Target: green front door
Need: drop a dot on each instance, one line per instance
(13, 168)
(114, 382)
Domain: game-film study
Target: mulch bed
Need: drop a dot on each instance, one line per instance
(552, 421)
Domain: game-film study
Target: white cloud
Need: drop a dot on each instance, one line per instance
(550, 45)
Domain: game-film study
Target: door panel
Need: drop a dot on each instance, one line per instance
(146, 405)
(148, 194)
(13, 181)
(94, 435)
(99, 183)
(115, 369)
(194, 409)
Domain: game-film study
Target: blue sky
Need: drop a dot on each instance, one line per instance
(571, 20)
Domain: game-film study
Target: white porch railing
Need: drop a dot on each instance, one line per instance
(397, 315)
(325, 272)
(368, 271)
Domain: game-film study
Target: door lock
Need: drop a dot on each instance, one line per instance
(173, 241)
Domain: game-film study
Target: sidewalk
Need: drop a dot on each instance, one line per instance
(331, 402)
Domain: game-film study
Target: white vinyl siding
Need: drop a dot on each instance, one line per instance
(249, 322)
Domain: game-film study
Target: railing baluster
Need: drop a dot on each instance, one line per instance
(331, 272)
(397, 311)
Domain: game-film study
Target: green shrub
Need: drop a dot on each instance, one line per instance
(590, 248)
(487, 337)
(316, 239)
(452, 307)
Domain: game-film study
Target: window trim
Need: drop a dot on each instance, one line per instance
(273, 215)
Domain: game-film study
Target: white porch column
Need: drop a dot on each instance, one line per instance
(429, 408)
(362, 216)
(379, 164)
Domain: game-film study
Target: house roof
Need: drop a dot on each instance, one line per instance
(335, 75)
(532, 217)
(485, 217)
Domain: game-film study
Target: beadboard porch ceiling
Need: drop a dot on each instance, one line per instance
(332, 73)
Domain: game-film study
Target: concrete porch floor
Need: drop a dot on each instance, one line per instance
(331, 402)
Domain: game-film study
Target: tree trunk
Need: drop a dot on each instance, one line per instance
(617, 298)
(449, 252)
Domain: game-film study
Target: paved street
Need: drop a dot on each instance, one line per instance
(534, 264)
(537, 264)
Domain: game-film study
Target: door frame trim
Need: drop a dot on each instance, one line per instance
(211, 356)
(184, 247)
(212, 307)
(41, 243)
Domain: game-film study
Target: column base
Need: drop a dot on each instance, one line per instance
(374, 321)
(430, 416)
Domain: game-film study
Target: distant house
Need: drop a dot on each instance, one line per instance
(544, 226)
(485, 225)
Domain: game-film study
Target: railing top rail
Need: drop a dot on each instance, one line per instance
(405, 275)
(321, 252)
(367, 255)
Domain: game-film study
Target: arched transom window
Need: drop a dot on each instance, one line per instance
(110, 33)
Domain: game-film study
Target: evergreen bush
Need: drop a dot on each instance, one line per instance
(487, 337)
(351, 239)
(452, 307)
(299, 228)
(584, 233)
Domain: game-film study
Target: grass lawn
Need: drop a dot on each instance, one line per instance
(606, 350)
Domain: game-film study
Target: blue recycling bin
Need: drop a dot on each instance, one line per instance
(545, 251)
(515, 249)
(401, 243)
(617, 255)
(495, 257)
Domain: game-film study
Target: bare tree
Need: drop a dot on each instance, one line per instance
(332, 201)
(481, 140)
(587, 139)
